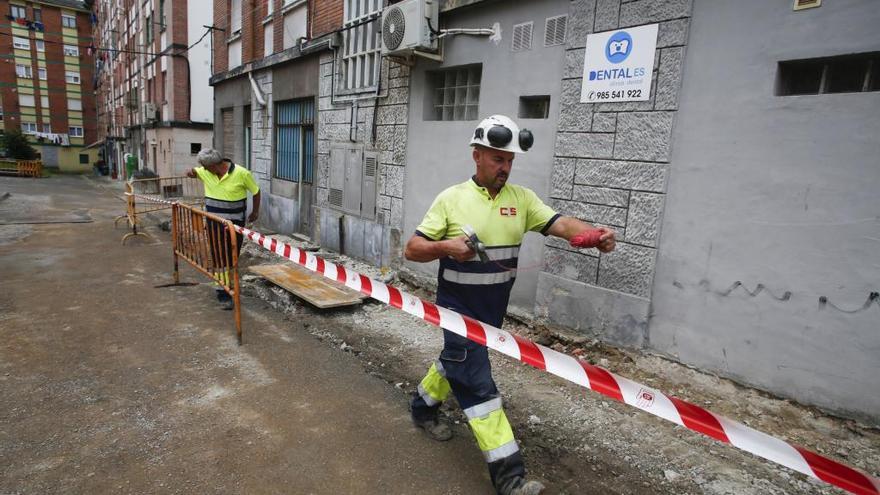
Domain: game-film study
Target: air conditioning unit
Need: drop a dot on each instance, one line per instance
(405, 27)
(150, 111)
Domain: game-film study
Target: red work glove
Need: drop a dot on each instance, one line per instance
(588, 238)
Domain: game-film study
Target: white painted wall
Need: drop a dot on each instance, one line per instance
(200, 14)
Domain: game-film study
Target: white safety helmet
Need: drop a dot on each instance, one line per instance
(501, 133)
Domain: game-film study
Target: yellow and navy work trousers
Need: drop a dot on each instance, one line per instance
(464, 370)
(221, 251)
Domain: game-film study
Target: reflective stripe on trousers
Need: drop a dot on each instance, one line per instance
(434, 387)
(495, 254)
(467, 278)
(492, 430)
(226, 205)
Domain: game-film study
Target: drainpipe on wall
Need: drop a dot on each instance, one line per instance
(257, 93)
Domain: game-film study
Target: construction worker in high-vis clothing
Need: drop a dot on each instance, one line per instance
(495, 215)
(226, 188)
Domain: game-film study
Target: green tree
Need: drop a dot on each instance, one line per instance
(17, 146)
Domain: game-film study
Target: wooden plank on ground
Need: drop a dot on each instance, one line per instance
(315, 289)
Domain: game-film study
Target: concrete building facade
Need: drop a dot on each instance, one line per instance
(730, 187)
(47, 83)
(154, 102)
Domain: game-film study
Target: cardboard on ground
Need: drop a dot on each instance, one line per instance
(314, 288)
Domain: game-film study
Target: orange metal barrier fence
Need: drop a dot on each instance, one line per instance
(23, 168)
(210, 244)
(155, 194)
(30, 168)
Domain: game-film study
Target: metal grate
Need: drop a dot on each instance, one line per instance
(370, 166)
(393, 28)
(295, 140)
(522, 37)
(336, 197)
(361, 45)
(554, 30)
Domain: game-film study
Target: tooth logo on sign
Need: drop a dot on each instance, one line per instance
(618, 47)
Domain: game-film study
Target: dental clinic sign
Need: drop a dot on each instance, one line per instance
(619, 65)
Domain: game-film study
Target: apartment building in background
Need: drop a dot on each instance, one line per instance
(46, 85)
(155, 107)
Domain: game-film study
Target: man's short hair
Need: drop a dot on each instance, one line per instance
(208, 157)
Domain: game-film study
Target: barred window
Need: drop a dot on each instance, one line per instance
(361, 48)
(295, 140)
(854, 73)
(455, 93)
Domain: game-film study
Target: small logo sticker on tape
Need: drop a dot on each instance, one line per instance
(645, 398)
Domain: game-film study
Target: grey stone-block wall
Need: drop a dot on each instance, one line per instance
(610, 169)
(389, 116)
(261, 131)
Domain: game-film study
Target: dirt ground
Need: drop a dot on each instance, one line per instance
(111, 385)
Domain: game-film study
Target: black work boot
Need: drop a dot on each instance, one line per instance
(527, 488)
(226, 301)
(434, 428)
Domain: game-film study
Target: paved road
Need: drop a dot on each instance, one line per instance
(111, 385)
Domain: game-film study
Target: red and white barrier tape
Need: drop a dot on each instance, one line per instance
(150, 198)
(582, 373)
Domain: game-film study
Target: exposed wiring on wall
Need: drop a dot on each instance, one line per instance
(758, 289)
(824, 301)
(873, 297)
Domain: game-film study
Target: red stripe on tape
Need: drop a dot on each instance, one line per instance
(287, 251)
(320, 264)
(340, 274)
(273, 245)
(475, 331)
(366, 285)
(302, 257)
(602, 381)
(432, 314)
(394, 298)
(837, 474)
(530, 353)
(699, 419)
